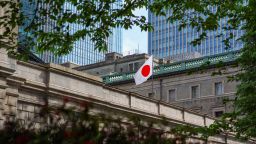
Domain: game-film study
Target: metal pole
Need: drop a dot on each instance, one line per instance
(153, 76)
(161, 89)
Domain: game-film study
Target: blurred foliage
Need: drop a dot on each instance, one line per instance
(72, 125)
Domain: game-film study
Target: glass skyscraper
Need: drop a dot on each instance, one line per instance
(166, 40)
(83, 52)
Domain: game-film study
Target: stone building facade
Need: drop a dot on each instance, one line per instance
(185, 85)
(200, 92)
(24, 86)
(116, 63)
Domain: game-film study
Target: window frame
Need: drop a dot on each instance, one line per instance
(168, 96)
(133, 66)
(129, 67)
(214, 88)
(154, 94)
(199, 92)
(219, 115)
(217, 109)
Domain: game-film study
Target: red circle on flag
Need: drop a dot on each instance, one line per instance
(145, 70)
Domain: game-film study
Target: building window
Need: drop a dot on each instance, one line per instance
(218, 88)
(136, 66)
(131, 67)
(151, 94)
(218, 113)
(195, 92)
(171, 95)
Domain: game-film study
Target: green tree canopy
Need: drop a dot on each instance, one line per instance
(46, 24)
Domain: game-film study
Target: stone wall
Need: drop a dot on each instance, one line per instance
(207, 102)
(24, 86)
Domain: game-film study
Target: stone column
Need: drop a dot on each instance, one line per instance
(11, 97)
(3, 86)
(8, 89)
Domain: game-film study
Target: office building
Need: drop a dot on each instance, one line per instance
(167, 40)
(83, 52)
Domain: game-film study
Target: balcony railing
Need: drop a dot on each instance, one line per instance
(178, 66)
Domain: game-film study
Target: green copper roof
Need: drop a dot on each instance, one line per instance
(178, 66)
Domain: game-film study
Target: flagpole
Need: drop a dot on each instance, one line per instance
(153, 77)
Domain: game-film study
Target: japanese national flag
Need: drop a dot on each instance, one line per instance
(145, 71)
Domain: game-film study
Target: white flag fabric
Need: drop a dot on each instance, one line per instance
(145, 71)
